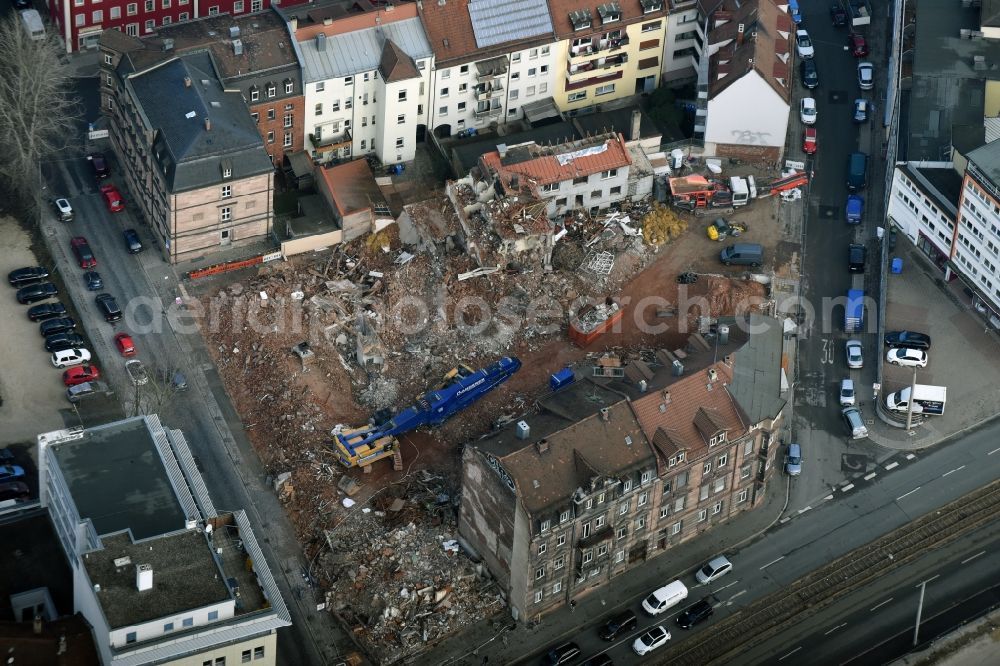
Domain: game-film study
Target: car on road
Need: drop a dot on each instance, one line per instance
(861, 108)
(855, 360)
(694, 614)
(857, 44)
(857, 254)
(804, 45)
(177, 381)
(136, 372)
(911, 358)
(124, 344)
(80, 374)
(716, 568)
(807, 111)
(855, 208)
(132, 242)
(838, 16)
(14, 490)
(108, 306)
(113, 198)
(100, 165)
(93, 280)
(57, 325)
(22, 277)
(793, 460)
(36, 292)
(81, 249)
(45, 311)
(67, 357)
(564, 654)
(622, 623)
(63, 209)
(810, 74)
(664, 598)
(910, 339)
(847, 395)
(64, 341)
(11, 472)
(866, 75)
(855, 422)
(652, 639)
(810, 142)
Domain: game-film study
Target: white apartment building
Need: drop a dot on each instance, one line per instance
(923, 205)
(977, 240)
(685, 39)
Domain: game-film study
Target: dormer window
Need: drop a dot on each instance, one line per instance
(226, 166)
(610, 12)
(650, 6)
(581, 19)
(254, 93)
(271, 90)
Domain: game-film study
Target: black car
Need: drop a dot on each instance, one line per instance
(14, 490)
(27, 275)
(108, 306)
(61, 341)
(46, 311)
(132, 241)
(810, 75)
(60, 325)
(838, 16)
(100, 165)
(93, 280)
(564, 654)
(695, 613)
(908, 339)
(857, 254)
(36, 292)
(620, 624)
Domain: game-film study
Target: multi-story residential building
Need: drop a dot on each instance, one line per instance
(606, 51)
(191, 155)
(608, 474)
(684, 42)
(367, 79)
(79, 22)
(160, 576)
(976, 247)
(251, 53)
(492, 57)
(923, 204)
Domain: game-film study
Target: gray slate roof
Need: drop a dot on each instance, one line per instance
(360, 50)
(987, 158)
(757, 373)
(191, 156)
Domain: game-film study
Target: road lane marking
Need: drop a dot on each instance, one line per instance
(741, 592)
(869, 477)
(725, 586)
(992, 452)
(972, 557)
(790, 653)
(953, 471)
(828, 497)
(909, 493)
(839, 626)
(910, 456)
(772, 562)
(892, 465)
(881, 604)
(847, 487)
(924, 582)
(805, 509)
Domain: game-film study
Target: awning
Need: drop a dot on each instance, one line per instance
(541, 112)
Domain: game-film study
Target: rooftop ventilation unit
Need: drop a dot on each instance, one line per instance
(234, 32)
(238, 47)
(522, 430)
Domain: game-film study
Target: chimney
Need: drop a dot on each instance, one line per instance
(713, 375)
(739, 34)
(238, 47)
(36, 626)
(187, 81)
(636, 123)
(723, 335)
(208, 124)
(295, 23)
(234, 32)
(542, 446)
(502, 149)
(605, 414)
(522, 430)
(328, 21)
(729, 360)
(144, 577)
(321, 42)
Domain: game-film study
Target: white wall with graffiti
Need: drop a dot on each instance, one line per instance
(746, 118)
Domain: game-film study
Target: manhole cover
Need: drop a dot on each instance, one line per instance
(853, 462)
(837, 97)
(828, 212)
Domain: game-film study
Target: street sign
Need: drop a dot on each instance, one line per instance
(97, 134)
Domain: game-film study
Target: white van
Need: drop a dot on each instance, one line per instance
(33, 24)
(665, 598)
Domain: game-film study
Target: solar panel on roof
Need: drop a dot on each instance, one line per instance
(498, 21)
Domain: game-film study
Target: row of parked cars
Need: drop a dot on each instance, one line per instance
(12, 485)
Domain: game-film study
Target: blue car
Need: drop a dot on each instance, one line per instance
(94, 281)
(10, 472)
(855, 208)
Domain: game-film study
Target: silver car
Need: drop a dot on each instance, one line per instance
(847, 396)
(855, 360)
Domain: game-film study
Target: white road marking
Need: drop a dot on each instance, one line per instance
(847, 487)
(869, 477)
(828, 497)
(741, 592)
(772, 562)
(992, 452)
(785, 520)
(910, 456)
(953, 471)
(892, 465)
(924, 582)
(790, 653)
(881, 604)
(972, 557)
(725, 586)
(909, 493)
(839, 626)
(805, 509)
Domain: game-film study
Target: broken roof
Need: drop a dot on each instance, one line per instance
(757, 37)
(517, 216)
(544, 165)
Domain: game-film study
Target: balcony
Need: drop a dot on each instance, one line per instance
(488, 91)
(608, 44)
(598, 67)
(487, 70)
(488, 113)
(332, 142)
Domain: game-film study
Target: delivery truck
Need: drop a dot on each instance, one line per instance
(927, 400)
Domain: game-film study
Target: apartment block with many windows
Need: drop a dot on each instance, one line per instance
(976, 249)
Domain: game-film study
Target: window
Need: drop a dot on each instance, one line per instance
(559, 562)
(707, 468)
(538, 597)
(539, 573)
(561, 201)
(619, 556)
(602, 550)
(187, 622)
(623, 509)
(130, 637)
(622, 532)
(399, 142)
(717, 508)
(720, 485)
(745, 471)
(444, 92)
(255, 116)
(270, 114)
(286, 142)
(443, 111)
(532, 54)
(289, 86)
(664, 511)
(563, 517)
(647, 475)
(131, 9)
(748, 448)
(213, 615)
(543, 87)
(516, 57)
(513, 94)
(227, 191)
(611, 173)
(287, 120)
(225, 215)
(150, 5)
(640, 523)
(183, 16)
(402, 96)
(546, 524)
(679, 503)
(245, 657)
(529, 91)
(586, 530)
(213, 11)
(600, 498)
(461, 107)
(363, 142)
(560, 540)
(617, 189)
(532, 71)
(364, 121)
(544, 69)
(642, 499)
(604, 90)
(254, 94)
(577, 96)
(169, 626)
(627, 485)
(723, 459)
(319, 109)
(651, 27)
(556, 587)
(599, 523)
(116, 13)
(702, 516)
(742, 497)
(150, 25)
(132, 29)
(512, 111)
(676, 527)
(445, 73)
(515, 76)
(321, 86)
(541, 549)
(238, 7)
(401, 119)
(167, 20)
(594, 572)
(703, 492)
(588, 557)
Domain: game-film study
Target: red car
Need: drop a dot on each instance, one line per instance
(857, 44)
(81, 248)
(80, 374)
(125, 345)
(809, 142)
(113, 198)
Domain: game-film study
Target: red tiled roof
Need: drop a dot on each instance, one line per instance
(553, 164)
(351, 184)
(449, 28)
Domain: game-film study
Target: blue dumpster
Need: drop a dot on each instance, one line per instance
(897, 265)
(562, 379)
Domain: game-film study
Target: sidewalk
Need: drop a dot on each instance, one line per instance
(493, 637)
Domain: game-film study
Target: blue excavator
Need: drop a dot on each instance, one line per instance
(462, 386)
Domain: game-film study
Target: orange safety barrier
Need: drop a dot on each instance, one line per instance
(224, 267)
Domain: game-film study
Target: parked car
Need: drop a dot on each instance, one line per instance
(809, 141)
(694, 614)
(804, 45)
(807, 111)
(908, 339)
(861, 107)
(81, 249)
(857, 254)
(124, 344)
(36, 292)
(100, 165)
(911, 358)
(622, 623)
(64, 341)
(564, 654)
(664, 598)
(178, 381)
(63, 209)
(22, 277)
(838, 16)
(866, 75)
(14, 490)
(85, 390)
(715, 569)
(113, 198)
(6, 456)
(652, 639)
(857, 44)
(793, 460)
(93, 280)
(46, 311)
(11, 472)
(108, 306)
(57, 325)
(810, 74)
(855, 360)
(854, 422)
(855, 209)
(136, 372)
(847, 395)
(132, 241)
(67, 357)
(80, 374)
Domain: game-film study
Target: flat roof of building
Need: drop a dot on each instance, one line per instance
(942, 184)
(118, 481)
(185, 577)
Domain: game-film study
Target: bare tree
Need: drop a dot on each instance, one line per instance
(37, 109)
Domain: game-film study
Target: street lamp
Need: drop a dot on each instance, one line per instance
(909, 404)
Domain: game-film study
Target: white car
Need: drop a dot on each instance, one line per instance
(652, 639)
(715, 569)
(804, 45)
(913, 358)
(136, 372)
(854, 359)
(866, 75)
(67, 357)
(63, 209)
(807, 111)
(847, 395)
